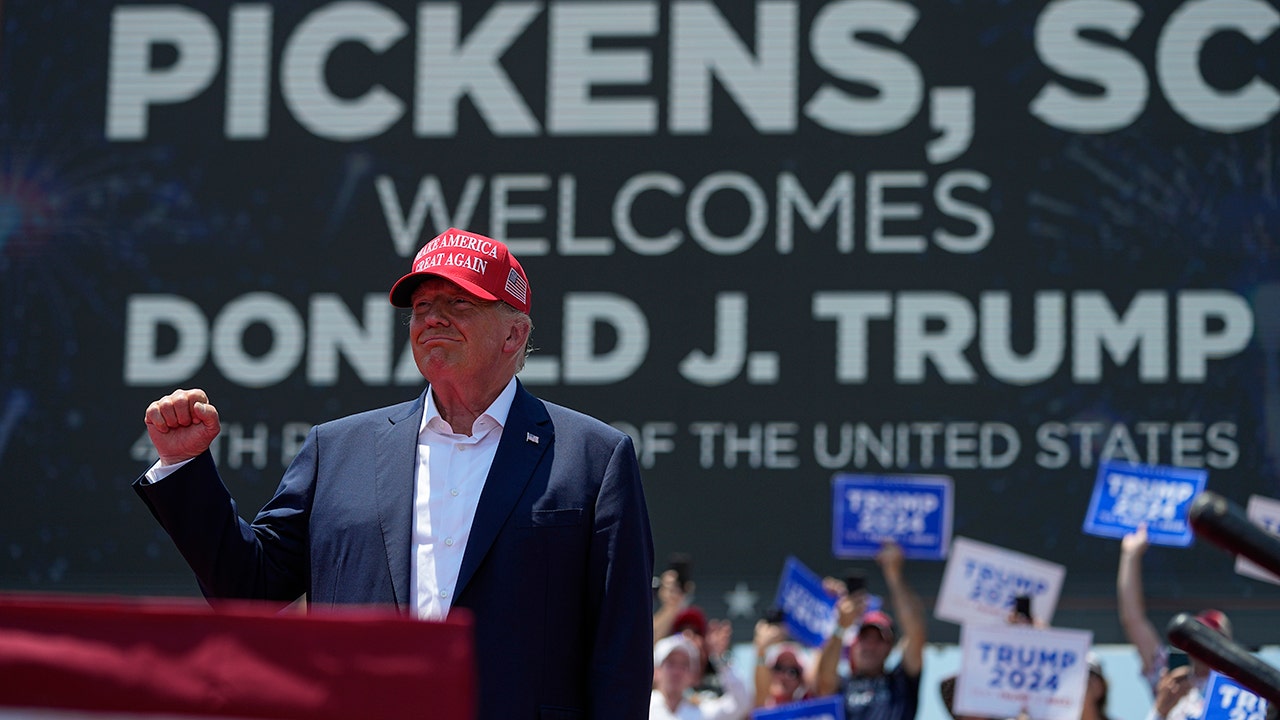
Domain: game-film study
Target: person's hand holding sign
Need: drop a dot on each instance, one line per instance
(890, 560)
(1135, 544)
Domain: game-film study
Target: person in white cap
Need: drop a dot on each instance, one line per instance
(675, 670)
(473, 495)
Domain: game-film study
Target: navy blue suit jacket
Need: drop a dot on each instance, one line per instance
(557, 571)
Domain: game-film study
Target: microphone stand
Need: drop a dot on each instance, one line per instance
(1223, 523)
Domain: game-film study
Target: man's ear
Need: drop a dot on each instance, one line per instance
(517, 336)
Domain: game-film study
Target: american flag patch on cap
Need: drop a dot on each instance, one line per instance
(517, 286)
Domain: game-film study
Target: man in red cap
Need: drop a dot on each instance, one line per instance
(873, 692)
(473, 495)
(1178, 688)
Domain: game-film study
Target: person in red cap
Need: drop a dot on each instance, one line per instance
(872, 691)
(474, 495)
(1178, 688)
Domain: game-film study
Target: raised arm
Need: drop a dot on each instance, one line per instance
(767, 634)
(848, 609)
(906, 606)
(1131, 602)
(671, 600)
(735, 702)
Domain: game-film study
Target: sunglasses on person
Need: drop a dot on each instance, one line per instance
(791, 670)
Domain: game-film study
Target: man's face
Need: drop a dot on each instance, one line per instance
(871, 650)
(675, 674)
(455, 334)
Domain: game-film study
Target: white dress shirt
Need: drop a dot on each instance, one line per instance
(450, 476)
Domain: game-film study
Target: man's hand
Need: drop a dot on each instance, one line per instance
(670, 594)
(890, 559)
(850, 609)
(719, 638)
(767, 634)
(1135, 544)
(182, 425)
(1173, 686)
(833, 587)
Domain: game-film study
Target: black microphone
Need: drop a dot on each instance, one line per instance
(1223, 523)
(1220, 653)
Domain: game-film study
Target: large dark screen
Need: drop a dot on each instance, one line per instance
(999, 241)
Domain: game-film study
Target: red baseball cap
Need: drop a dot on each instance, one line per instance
(1215, 619)
(879, 621)
(478, 264)
(691, 618)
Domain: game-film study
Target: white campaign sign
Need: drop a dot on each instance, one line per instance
(981, 581)
(1265, 513)
(1006, 669)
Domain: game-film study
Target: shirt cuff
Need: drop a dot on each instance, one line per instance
(158, 472)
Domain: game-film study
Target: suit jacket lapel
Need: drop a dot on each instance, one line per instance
(396, 467)
(525, 438)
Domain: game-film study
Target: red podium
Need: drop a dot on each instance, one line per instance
(234, 660)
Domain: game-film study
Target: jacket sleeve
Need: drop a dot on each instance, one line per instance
(231, 558)
(621, 596)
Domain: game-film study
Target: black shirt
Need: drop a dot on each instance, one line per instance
(893, 696)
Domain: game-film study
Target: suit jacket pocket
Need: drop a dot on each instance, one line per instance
(552, 518)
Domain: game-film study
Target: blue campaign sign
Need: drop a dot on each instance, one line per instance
(1225, 699)
(1126, 496)
(823, 708)
(912, 510)
(808, 611)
